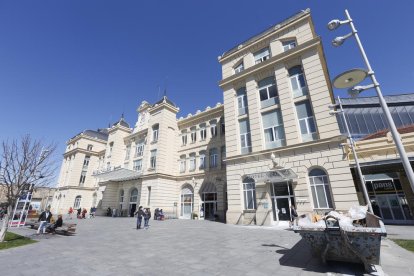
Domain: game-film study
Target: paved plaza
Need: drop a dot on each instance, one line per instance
(112, 246)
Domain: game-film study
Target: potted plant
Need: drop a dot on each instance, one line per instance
(194, 216)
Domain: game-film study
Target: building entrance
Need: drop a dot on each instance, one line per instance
(282, 199)
(208, 206)
(388, 199)
(186, 203)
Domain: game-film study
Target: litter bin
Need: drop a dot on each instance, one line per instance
(346, 244)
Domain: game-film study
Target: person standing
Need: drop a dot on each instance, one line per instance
(44, 219)
(140, 214)
(84, 213)
(70, 212)
(147, 216)
(293, 216)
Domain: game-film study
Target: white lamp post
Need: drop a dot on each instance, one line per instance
(350, 78)
(352, 144)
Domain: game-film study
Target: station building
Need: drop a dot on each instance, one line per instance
(270, 145)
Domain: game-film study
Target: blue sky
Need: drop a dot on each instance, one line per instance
(66, 66)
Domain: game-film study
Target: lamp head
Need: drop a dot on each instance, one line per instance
(338, 41)
(354, 92)
(334, 24)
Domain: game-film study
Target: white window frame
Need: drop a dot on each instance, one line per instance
(153, 159)
(213, 129)
(288, 44)
(192, 161)
(203, 133)
(137, 165)
(262, 55)
(86, 161)
(184, 138)
(246, 139)
(182, 165)
(82, 178)
(295, 79)
(326, 191)
(213, 159)
(155, 132)
(242, 104)
(266, 87)
(77, 202)
(239, 68)
(193, 135)
(127, 152)
(249, 191)
(202, 161)
(139, 149)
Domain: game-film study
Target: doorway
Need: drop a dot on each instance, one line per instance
(186, 203)
(282, 199)
(208, 208)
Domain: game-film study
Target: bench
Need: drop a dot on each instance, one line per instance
(67, 229)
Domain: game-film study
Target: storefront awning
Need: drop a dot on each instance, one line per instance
(273, 176)
(118, 175)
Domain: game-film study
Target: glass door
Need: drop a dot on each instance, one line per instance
(186, 205)
(282, 208)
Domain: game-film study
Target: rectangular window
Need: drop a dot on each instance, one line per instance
(239, 68)
(149, 196)
(155, 130)
(193, 134)
(213, 158)
(184, 138)
(86, 162)
(261, 55)
(153, 159)
(182, 164)
(241, 100)
(192, 162)
(82, 178)
(289, 44)
(213, 128)
(111, 146)
(297, 81)
(127, 152)
(90, 147)
(223, 126)
(139, 148)
(203, 132)
(268, 92)
(223, 155)
(249, 192)
(306, 121)
(245, 140)
(273, 129)
(202, 160)
(137, 165)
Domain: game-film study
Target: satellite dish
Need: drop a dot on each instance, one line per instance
(350, 78)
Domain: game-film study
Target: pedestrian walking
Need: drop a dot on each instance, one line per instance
(140, 214)
(147, 216)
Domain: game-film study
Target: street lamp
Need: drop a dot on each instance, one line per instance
(352, 144)
(354, 91)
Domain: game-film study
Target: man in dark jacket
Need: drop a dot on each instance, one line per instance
(139, 213)
(44, 219)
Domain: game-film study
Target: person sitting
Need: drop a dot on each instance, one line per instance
(58, 223)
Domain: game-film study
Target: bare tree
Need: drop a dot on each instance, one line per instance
(23, 163)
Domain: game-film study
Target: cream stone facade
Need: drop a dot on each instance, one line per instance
(271, 145)
(77, 188)
(276, 97)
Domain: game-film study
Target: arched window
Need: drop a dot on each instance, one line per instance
(249, 193)
(77, 203)
(187, 198)
(321, 194)
(121, 196)
(134, 195)
(297, 80)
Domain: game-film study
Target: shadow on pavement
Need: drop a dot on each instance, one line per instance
(300, 256)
